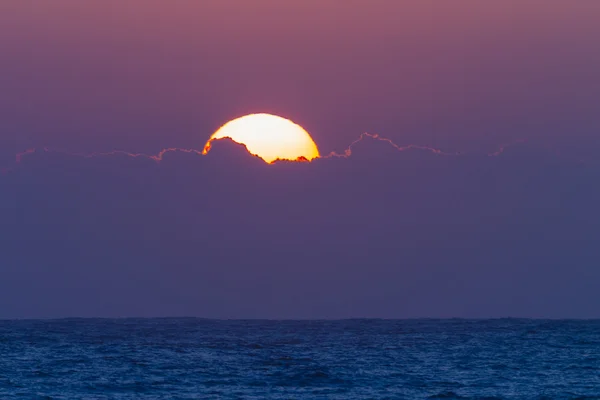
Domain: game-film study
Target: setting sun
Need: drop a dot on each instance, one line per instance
(268, 136)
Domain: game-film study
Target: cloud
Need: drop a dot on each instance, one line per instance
(348, 152)
(160, 155)
(382, 231)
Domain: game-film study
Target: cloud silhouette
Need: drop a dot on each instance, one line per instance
(377, 231)
(209, 145)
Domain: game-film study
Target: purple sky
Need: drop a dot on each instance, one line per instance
(144, 75)
(382, 233)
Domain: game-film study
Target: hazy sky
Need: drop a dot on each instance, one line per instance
(144, 75)
(381, 233)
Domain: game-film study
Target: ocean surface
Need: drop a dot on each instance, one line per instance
(349, 359)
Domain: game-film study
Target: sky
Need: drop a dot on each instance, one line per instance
(501, 221)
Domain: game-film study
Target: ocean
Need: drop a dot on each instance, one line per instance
(191, 358)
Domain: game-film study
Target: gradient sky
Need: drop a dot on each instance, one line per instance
(381, 233)
(143, 75)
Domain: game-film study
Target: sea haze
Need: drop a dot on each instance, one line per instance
(191, 358)
(382, 233)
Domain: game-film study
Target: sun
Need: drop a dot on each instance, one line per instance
(269, 137)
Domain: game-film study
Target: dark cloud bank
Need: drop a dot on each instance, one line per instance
(379, 234)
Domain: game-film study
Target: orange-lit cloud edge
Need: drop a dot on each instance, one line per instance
(347, 153)
(208, 147)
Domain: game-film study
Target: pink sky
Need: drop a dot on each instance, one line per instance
(143, 75)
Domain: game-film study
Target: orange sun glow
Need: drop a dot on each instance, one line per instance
(268, 136)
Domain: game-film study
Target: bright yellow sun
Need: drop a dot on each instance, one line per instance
(268, 136)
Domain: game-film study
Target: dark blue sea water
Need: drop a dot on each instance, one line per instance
(361, 359)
